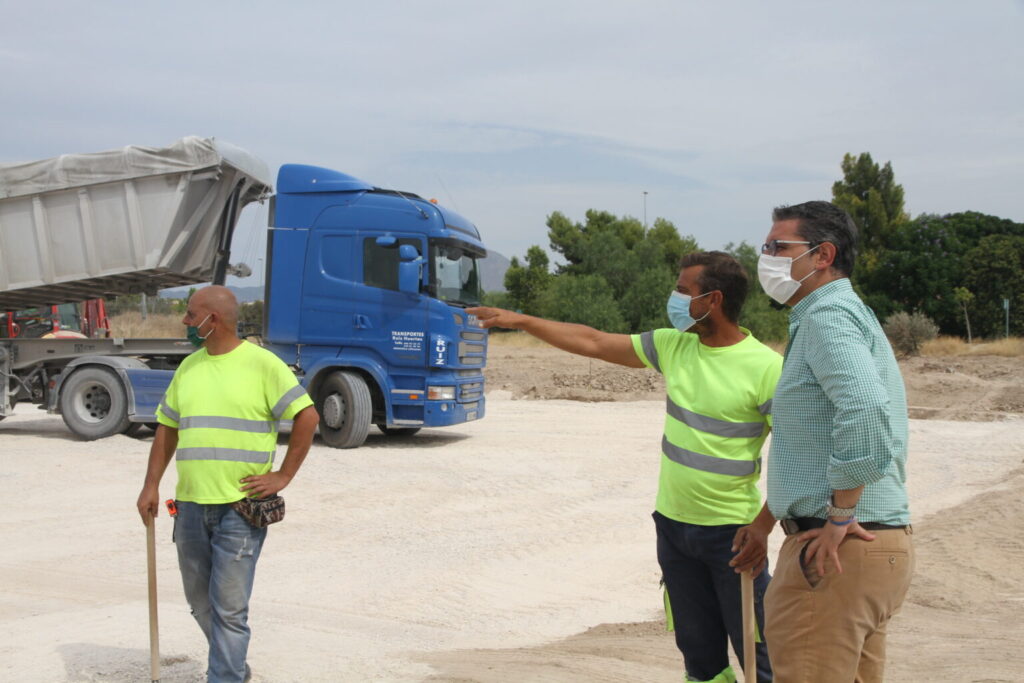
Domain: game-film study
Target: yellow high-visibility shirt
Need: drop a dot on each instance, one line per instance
(226, 409)
(718, 414)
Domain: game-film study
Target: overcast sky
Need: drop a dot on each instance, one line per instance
(509, 111)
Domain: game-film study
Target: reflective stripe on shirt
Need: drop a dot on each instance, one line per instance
(172, 414)
(707, 463)
(650, 350)
(234, 423)
(286, 400)
(230, 454)
(712, 425)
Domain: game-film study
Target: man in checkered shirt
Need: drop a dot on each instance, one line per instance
(837, 464)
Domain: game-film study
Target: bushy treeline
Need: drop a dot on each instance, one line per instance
(617, 276)
(956, 269)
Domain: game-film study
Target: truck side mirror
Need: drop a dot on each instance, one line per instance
(410, 269)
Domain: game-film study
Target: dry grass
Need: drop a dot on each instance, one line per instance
(155, 326)
(1011, 347)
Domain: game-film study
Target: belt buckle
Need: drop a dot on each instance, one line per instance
(789, 526)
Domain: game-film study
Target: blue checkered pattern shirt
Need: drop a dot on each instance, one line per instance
(839, 413)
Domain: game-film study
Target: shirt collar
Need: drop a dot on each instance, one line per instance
(827, 291)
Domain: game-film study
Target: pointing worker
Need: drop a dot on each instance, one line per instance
(719, 380)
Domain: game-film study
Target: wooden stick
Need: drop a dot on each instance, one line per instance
(154, 628)
(749, 654)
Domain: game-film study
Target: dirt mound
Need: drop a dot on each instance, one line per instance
(976, 388)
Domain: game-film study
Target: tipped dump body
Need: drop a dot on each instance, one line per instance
(137, 219)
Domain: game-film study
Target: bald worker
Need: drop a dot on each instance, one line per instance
(220, 414)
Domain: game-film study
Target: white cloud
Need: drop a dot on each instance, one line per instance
(720, 111)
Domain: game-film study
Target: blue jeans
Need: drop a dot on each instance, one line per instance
(705, 597)
(217, 554)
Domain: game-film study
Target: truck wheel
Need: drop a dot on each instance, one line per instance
(133, 429)
(93, 403)
(398, 431)
(345, 410)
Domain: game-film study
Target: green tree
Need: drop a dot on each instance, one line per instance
(925, 263)
(766, 320)
(525, 284)
(870, 195)
(964, 297)
(639, 267)
(642, 300)
(993, 271)
(607, 261)
(584, 299)
(497, 299)
(674, 246)
(918, 272)
(572, 240)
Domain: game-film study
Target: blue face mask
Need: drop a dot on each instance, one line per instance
(679, 310)
(192, 332)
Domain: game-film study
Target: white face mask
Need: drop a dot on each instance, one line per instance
(776, 275)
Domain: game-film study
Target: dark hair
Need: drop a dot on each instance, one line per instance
(819, 222)
(724, 273)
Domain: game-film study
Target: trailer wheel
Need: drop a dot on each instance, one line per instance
(93, 403)
(398, 431)
(345, 410)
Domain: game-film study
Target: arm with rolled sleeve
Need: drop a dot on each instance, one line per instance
(842, 362)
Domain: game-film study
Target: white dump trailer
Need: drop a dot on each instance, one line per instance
(87, 226)
(137, 219)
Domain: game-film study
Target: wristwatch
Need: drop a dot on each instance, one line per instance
(833, 511)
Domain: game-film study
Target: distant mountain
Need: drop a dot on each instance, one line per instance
(243, 294)
(492, 272)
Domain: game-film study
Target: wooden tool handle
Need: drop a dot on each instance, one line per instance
(154, 628)
(749, 653)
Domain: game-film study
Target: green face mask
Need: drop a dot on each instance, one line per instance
(193, 333)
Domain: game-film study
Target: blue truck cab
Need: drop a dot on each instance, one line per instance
(365, 299)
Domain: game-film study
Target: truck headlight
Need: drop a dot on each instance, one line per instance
(441, 393)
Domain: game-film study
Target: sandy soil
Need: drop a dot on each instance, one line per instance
(514, 548)
(978, 388)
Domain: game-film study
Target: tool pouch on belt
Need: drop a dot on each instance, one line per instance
(260, 512)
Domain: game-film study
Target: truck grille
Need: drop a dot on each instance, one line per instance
(471, 354)
(471, 392)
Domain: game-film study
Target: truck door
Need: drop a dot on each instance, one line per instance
(351, 297)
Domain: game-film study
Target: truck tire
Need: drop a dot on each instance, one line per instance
(398, 431)
(93, 403)
(133, 429)
(345, 410)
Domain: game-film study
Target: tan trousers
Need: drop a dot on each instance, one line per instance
(832, 627)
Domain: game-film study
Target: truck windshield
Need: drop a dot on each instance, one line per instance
(455, 277)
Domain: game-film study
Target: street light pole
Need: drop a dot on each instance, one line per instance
(645, 211)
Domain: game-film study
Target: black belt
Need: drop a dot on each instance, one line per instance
(795, 526)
